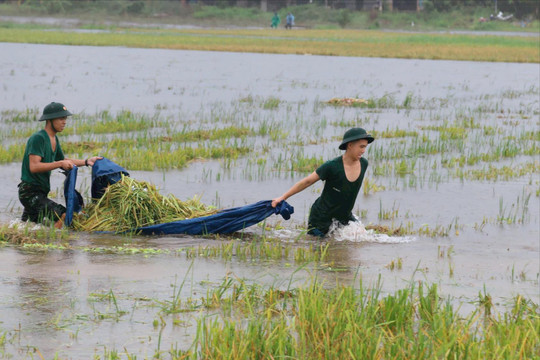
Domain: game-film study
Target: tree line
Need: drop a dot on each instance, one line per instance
(520, 8)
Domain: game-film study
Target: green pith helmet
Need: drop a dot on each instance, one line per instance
(54, 111)
(355, 134)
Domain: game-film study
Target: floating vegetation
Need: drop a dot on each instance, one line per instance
(126, 250)
(130, 204)
(355, 102)
(45, 247)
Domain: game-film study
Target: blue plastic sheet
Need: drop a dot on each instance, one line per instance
(74, 202)
(224, 222)
(104, 173)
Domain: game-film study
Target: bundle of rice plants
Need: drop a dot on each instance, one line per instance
(130, 204)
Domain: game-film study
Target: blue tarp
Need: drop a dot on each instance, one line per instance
(104, 166)
(104, 173)
(224, 222)
(74, 201)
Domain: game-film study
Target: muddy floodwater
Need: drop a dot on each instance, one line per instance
(77, 302)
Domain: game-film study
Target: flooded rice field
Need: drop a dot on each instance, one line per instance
(453, 177)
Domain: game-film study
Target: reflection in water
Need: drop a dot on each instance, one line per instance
(40, 286)
(41, 292)
(42, 295)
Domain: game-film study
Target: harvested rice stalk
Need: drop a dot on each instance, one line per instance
(130, 204)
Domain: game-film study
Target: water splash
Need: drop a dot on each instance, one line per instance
(355, 231)
(19, 224)
(288, 235)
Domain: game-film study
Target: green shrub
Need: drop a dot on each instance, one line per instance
(344, 18)
(135, 8)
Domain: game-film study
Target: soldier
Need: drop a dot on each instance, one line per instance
(343, 178)
(43, 154)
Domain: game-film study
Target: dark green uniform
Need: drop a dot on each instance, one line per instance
(337, 198)
(35, 187)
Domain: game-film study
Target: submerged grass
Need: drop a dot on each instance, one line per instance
(469, 144)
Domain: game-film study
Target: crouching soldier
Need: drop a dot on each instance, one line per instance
(42, 155)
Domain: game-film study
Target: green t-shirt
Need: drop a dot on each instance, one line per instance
(40, 144)
(338, 195)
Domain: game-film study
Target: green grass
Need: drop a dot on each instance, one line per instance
(316, 322)
(336, 43)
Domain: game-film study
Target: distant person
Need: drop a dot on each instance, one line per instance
(275, 21)
(289, 21)
(42, 155)
(342, 178)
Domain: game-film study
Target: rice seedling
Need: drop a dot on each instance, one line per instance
(445, 252)
(518, 211)
(263, 249)
(436, 231)
(395, 264)
(393, 133)
(369, 186)
(522, 276)
(271, 103)
(3, 337)
(124, 121)
(485, 303)
(322, 322)
(311, 254)
(224, 251)
(12, 153)
(111, 354)
(493, 173)
(363, 213)
(388, 214)
(298, 162)
(27, 116)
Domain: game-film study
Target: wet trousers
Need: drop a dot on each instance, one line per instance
(37, 206)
